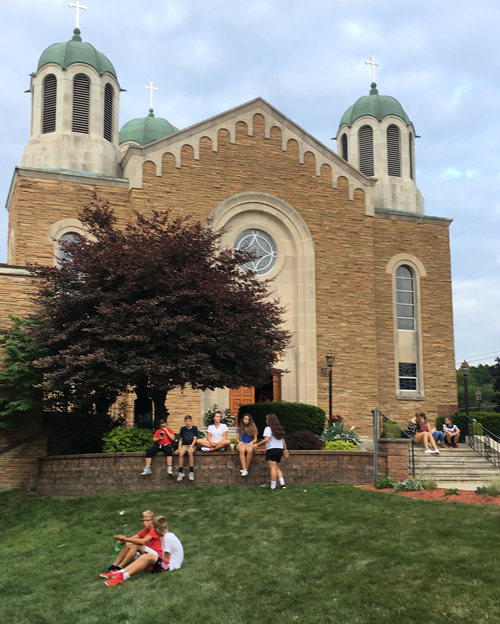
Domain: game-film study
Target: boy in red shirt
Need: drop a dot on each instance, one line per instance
(162, 439)
(146, 540)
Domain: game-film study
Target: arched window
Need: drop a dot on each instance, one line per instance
(69, 237)
(393, 151)
(365, 137)
(81, 104)
(108, 112)
(411, 154)
(345, 153)
(405, 298)
(49, 104)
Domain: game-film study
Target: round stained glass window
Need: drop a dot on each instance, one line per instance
(263, 246)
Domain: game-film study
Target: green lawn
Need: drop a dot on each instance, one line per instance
(331, 554)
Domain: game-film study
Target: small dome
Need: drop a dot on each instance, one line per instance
(146, 129)
(374, 105)
(75, 51)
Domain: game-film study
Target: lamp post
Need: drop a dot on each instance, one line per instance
(479, 398)
(464, 367)
(330, 359)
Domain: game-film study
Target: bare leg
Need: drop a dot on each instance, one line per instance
(222, 444)
(141, 563)
(122, 555)
(273, 468)
(191, 457)
(148, 461)
(430, 439)
(182, 452)
(243, 461)
(249, 450)
(421, 437)
(204, 443)
(131, 554)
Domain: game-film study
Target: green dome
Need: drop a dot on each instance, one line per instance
(146, 129)
(75, 51)
(374, 105)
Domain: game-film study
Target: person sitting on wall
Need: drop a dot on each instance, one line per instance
(187, 439)
(419, 435)
(163, 438)
(451, 432)
(216, 435)
(246, 435)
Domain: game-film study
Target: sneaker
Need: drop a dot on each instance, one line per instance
(455, 445)
(111, 575)
(435, 451)
(429, 451)
(244, 473)
(115, 580)
(180, 476)
(270, 488)
(146, 471)
(283, 487)
(170, 470)
(191, 476)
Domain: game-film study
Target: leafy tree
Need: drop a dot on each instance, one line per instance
(157, 305)
(18, 377)
(481, 377)
(495, 371)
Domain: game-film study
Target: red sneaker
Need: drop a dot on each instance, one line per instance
(115, 580)
(110, 575)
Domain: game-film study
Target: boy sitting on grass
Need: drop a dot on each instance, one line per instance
(173, 556)
(144, 541)
(163, 438)
(451, 432)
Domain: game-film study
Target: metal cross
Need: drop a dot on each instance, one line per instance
(151, 88)
(372, 63)
(78, 7)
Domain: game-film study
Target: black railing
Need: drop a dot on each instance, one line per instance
(484, 442)
(380, 422)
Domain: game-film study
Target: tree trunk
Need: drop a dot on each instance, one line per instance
(161, 412)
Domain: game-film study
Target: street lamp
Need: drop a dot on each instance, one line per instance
(464, 367)
(330, 359)
(479, 398)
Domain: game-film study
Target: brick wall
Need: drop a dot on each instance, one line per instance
(19, 466)
(396, 451)
(73, 475)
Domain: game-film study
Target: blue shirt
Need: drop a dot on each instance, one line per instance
(245, 437)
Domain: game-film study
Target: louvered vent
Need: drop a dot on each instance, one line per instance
(49, 104)
(81, 104)
(365, 137)
(393, 151)
(108, 112)
(411, 155)
(345, 153)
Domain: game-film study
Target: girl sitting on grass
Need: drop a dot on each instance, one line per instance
(274, 439)
(246, 435)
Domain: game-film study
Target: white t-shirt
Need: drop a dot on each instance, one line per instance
(172, 544)
(273, 442)
(217, 432)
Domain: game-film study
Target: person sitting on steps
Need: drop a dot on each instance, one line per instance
(419, 435)
(451, 432)
(216, 435)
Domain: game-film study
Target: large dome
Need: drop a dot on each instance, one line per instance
(75, 51)
(374, 105)
(146, 129)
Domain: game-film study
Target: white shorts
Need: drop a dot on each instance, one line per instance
(147, 550)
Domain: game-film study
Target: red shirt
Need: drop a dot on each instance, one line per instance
(154, 543)
(164, 439)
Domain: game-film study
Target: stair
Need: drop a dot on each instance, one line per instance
(455, 467)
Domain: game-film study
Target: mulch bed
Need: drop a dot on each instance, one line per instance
(463, 497)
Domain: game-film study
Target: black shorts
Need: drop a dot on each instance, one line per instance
(274, 455)
(156, 448)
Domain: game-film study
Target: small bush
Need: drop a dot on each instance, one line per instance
(384, 481)
(336, 431)
(452, 492)
(227, 419)
(429, 483)
(408, 485)
(292, 416)
(340, 445)
(392, 430)
(481, 489)
(302, 441)
(493, 488)
(127, 440)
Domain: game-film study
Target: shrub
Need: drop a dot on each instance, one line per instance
(227, 418)
(481, 489)
(452, 491)
(493, 488)
(336, 431)
(340, 445)
(429, 483)
(302, 441)
(487, 419)
(384, 481)
(392, 430)
(127, 440)
(292, 416)
(408, 485)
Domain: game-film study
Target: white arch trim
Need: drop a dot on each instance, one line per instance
(405, 258)
(60, 228)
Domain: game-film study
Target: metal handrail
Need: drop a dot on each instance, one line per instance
(378, 423)
(485, 443)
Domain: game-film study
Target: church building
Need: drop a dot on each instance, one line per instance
(362, 271)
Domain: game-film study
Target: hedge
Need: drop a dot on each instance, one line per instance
(127, 440)
(489, 420)
(292, 416)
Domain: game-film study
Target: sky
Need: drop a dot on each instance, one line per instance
(438, 58)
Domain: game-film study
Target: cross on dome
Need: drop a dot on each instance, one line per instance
(151, 89)
(79, 7)
(372, 63)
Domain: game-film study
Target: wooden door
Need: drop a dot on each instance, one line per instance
(240, 396)
(276, 387)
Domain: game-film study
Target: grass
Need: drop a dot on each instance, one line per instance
(333, 554)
